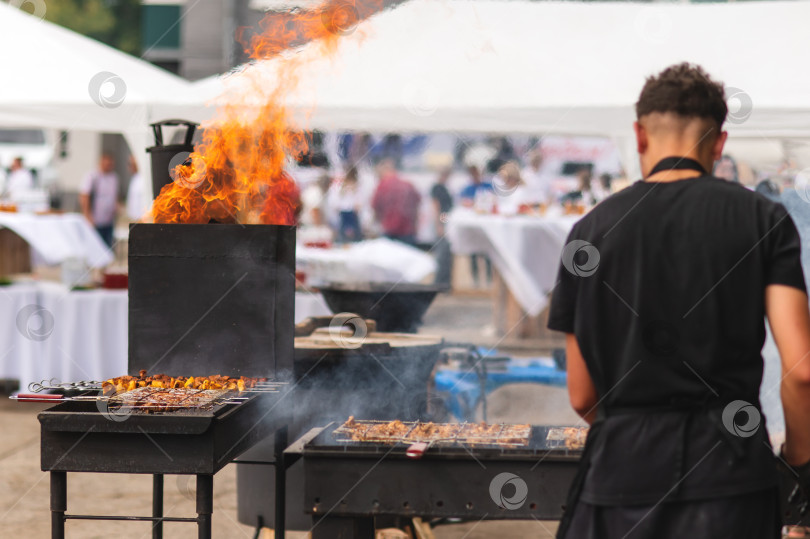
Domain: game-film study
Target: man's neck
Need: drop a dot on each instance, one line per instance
(671, 175)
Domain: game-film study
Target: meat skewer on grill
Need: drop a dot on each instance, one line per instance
(422, 436)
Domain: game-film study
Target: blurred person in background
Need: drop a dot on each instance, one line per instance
(513, 195)
(726, 168)
(584, 193)
(476, 185)
(137, 202)
(769, 189)
(396, 204)
(347, 203)
(538, 185)
(603, 188)
(314, 198)
(19, 180)
(474, 190)
(442, 205)
(99, 198)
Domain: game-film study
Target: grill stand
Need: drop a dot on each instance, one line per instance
(390, 484)
(281, 462)
(205, 507)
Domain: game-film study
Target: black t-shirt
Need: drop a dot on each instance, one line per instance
(663, 286)
(440, 193)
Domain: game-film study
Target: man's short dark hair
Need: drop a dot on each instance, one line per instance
(686, 90)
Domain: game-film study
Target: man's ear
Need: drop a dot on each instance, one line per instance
(641, 138)
(719, 144)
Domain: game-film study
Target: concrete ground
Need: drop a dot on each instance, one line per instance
(24, 488)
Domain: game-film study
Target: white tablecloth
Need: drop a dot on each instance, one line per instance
(47, 331)
(379, 260)
(525, 250)
(310, 304)
(59, 237)
(52, 332)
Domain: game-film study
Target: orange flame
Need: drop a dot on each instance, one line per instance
(237, 171)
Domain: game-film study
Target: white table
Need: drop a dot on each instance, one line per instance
(56, 238)
(524, 249)
(378, 260)
(48, 331)
(309, 304)
(52, 332)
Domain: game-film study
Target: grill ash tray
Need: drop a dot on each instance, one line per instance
(544, 441)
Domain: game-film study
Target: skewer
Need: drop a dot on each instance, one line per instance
(55, 385)
(418, 447)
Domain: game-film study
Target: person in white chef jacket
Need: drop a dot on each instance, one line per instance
(538, 184)
(19, 181)
(513, 195)
(137, 203)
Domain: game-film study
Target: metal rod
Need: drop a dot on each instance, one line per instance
(259, 526)
(58, 504)
(131, 518)
(281, 483)
(205, 505)
(157, 506)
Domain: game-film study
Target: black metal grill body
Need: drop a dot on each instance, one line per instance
(203, 300)
(376, 381)
(347, 484)
(77, 437)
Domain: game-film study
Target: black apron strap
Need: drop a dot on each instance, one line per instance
(578, 483)
(677, 163)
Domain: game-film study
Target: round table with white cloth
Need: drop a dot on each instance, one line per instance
(58, 237)
(377, 260)
(525, 250)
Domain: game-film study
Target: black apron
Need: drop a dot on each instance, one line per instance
(706, 412)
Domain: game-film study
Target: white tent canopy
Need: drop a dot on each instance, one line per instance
(56, 78)
(544, 67)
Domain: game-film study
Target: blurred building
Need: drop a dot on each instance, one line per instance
(196, 38)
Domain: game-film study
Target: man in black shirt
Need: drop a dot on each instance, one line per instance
(662, 291)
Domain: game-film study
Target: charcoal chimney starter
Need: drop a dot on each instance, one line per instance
(213, 299)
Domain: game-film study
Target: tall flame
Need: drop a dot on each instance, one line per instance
(237, 172)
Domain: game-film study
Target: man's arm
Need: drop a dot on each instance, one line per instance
(789, 318)
(581, 390)
(84, 202)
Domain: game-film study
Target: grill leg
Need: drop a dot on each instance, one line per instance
(157, 505)
(342, 528)
(205, 505)
(281, 483)
(58, 504)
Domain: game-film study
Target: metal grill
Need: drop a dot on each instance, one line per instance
(501, 435)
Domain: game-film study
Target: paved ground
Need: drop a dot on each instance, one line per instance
(24, 488)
